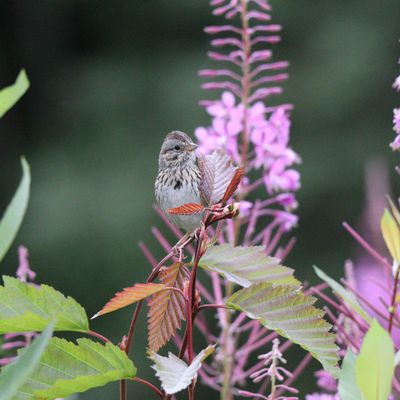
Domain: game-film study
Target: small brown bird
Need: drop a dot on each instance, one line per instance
(179, 179)
(184, 177)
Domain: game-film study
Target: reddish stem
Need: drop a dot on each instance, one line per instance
(213, 306)
(393, 302)
(149, 385)
(366, 245)
(98, 336)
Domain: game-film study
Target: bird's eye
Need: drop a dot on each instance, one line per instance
(177, 147)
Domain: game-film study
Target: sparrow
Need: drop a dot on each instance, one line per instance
(179, 179)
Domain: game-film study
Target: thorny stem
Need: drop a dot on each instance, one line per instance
(392, 309)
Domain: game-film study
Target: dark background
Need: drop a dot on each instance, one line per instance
(109, 79)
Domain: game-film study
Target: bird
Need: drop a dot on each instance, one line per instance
(179, 179)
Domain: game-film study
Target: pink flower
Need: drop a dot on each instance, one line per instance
(244, 208)
(24, 271)
(322, 396)
(227, 123)
(326, 381)
(270, 138)
(286, 220)
(396, 84)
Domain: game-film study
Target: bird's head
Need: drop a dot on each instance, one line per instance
(176, 149)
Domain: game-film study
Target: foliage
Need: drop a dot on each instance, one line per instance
(348, 388)
(348, 297)
(130, 295)
(175, 374)
(246, 266)
(11, 94)
(12, 218)
(66, 368)
(14, 375)
(167, 309)
(291, 313)
(375, 364)
(25, 308)
(271, 301)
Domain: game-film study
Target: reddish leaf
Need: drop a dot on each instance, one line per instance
(217, 171)
(186, 209)
(233, 185)
(129, 296)
(167, 309)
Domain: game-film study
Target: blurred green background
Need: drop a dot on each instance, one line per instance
(109, 79)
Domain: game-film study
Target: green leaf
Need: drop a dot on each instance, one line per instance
(349, 298)
(25, 308)
(14, 375)
(246, 265)
(288, 311)
(391, 234)
(175, 375)
(348, 388)
(11, 94)
(375, 364)
(67, 368)
(15, 212)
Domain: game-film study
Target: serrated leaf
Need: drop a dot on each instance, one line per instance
(14, 375)
(348, 388)
(66, 368)
(11, 94)
(391, 234)
(175, 375)
(186, 209)
(288, 311)
(246, 266)
(233, 185)
(130, 295)
(167, 309)
(217, 173)
(349, 298)
(375, 364)
(15, 212)
(26, 308)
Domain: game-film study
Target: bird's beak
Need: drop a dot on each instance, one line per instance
(191, 147)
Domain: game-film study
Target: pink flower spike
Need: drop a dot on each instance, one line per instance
(261, 55)
(214, 3)
(13, 345)
(322, 396)
(263, 4)
(24, 272)
(6, 360)
(261, 16)
(396, 84)
(245, 393)
(326, 381)
(266, 39)
(267, 28)
(396, 120)
(212, 30)
(226, 42)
